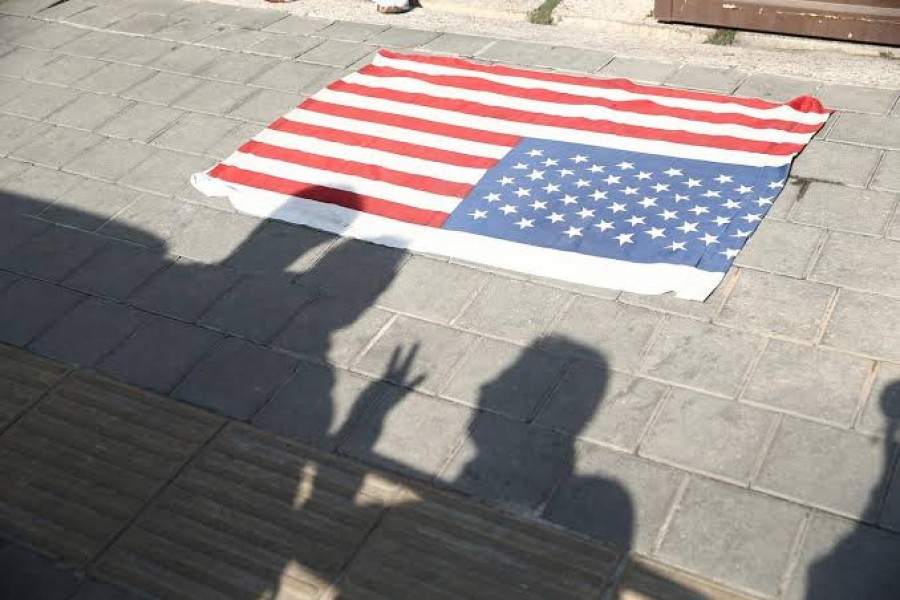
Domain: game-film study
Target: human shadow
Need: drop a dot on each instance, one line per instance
(865, 563)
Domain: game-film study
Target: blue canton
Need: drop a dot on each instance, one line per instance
(622, 205)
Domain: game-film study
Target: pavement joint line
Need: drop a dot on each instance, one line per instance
(479, 289)
(674, 505)
(744, 381)
(793, 557)
(657, 332)
(826, 318)
(651, 421)
(763, 452)
(353, 364)
(30, 407)
(866, 395)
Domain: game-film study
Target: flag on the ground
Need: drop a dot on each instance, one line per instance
(600, 182)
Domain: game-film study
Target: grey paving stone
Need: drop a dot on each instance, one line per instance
(88, 333)
(57, 146)
(195, 133)
(64, 10)
(712, 79)
(521, 53)
(881, 415)
(185, 290)
(639, 69)
(408, 432)
(295, 77)
(861, 263)
(615, 332)
(141, 122)
(89, 205)
(143, 23)
(66, 70)
(114, 78)
(40, 101)
(239, 68)
(401, 37)
(100, 16)
(137, 50)
(506, 379)
(16, 131)
(162, 88)
(782, 248)
(48, 36)
(166, 172)
(93, 44)
(149, 221)
(159, 354)
(209, 13)
(776, 87)
(116, 271)
(453, 43)
(856, 98)
(355, 270)
(893, 231)
(837, 163)
(26, 574)
(814, 382)
(186, 31)
(191, 195)
(732, 535)
(13, 26)
(236, 378)
(213, 97)
(32, 190)
(890, 516)
(842, 559)
(277, 247)
(9, 167)
(298, 25)
(15, 229)
(111, 159)
(336, 53)
(333, 329)
(432, 289)
(89, 111)
(769, 303)
(13, 88)
(887, 177)
(871, 130)
(508, 461)
(616, 498)
(257, 307)
(866, 324)
(53, 254)
(265, 106)
(252, 18)
(732, 435)
(29, 307)
(284, 46)
(353, 32)
(188, 60)
(226, 145)
(574, 59)
(826, 467)
(435, 350)
(708, 357)
(212, 236)
(600, 405)
(318, 404)
(514, 310)
(842, 208)
(21, 62)
(233, 39)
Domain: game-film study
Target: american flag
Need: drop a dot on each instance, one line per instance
(598, 181)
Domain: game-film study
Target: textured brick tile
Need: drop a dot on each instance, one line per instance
(159, 354)
(871, 130)
(285, 46)
(336, 53)
(100, 16)
(613, 332)
(402, 37)
(111, 159)
(782, 248)
(770, 303)
(114, 78)
(732, 535)
(24, 378)
(93, 44)
(116, 271)
(195, 133)
(842, 208)
(775, 87)
(452, 43)
(507, 461)
(21, 62)
(234, 39)
(887, 177)
(639, 69)
(236, 378)
(208, 13)
(881, 415)
(836, 162)
(143, 23)
(162, 88)
(213, 97)
(712, 79)
(842, 559)
(88, 333)
(856, 98)
(504, 378)
(89, 205)
(184, 290)
(53, 254)
(212, 236)
(165, 172)
(861, 263)
(515, 310)
(298, 25)
(15, 132)
(137, 50)
(732, 434)
(187, 60)
(252, 18)
(141, 122)
(186, 31)
(355, 270)
(435, 350)
(231, 141)
(354, 32)
(265, 106)
(600, 405)
(574, 59)
(239, 68)
(67, 70)
(57, 146)
(149, 220)
(48, 36)
(826, 467)
(296, 77)
(29, 307)
(417, 433)
(615, 498)
(277, 247)
(258, 307)
(89, 111)
(32, 190)
(867, 324)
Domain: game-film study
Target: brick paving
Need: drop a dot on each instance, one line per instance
(748, 440)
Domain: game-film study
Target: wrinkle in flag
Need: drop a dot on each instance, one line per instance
(601, 182)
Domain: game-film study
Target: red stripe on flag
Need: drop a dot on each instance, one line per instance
(405, 122)
(358, 169)
(327, 195)
(376, 143)
(469, 107)
(644, 107)
(811, 106)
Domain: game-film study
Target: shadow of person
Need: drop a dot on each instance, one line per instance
(865, 563)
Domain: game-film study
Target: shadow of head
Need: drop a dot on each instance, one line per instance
(890, 403)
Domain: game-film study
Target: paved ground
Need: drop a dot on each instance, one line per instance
(750, 439)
